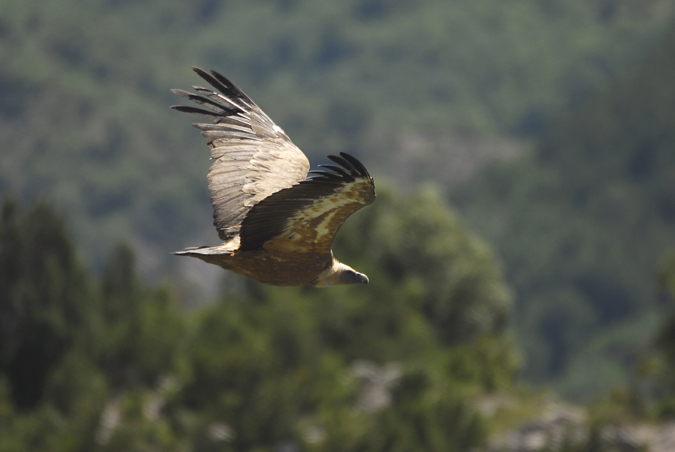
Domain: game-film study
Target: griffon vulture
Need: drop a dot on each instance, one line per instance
(277, 219)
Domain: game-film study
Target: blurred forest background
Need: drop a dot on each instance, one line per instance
(523, 239)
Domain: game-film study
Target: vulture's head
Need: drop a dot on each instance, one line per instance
(340, 273)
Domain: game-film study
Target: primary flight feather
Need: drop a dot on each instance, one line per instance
(277, 219)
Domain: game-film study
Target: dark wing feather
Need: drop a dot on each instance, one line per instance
(254, 158)
(306, 217)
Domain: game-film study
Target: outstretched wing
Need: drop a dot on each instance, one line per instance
(305, 218)
(253, 156)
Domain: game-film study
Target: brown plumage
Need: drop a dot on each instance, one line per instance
(277, 219)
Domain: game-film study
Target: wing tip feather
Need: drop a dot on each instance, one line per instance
(349, 169)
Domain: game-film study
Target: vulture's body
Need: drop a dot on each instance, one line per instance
(276, 218)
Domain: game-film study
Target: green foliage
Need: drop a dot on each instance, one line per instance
(665, 339)
(44, 292)
(84, 96)
(582, 223)
(85, 89)
(666, 281)
(142, 327)
(371, 368)
(69, 343)
(450, 275)
(309, 339)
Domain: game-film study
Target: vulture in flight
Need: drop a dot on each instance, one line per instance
(276, 218)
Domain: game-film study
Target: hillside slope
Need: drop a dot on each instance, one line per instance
(583, 223)
(84, 90)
